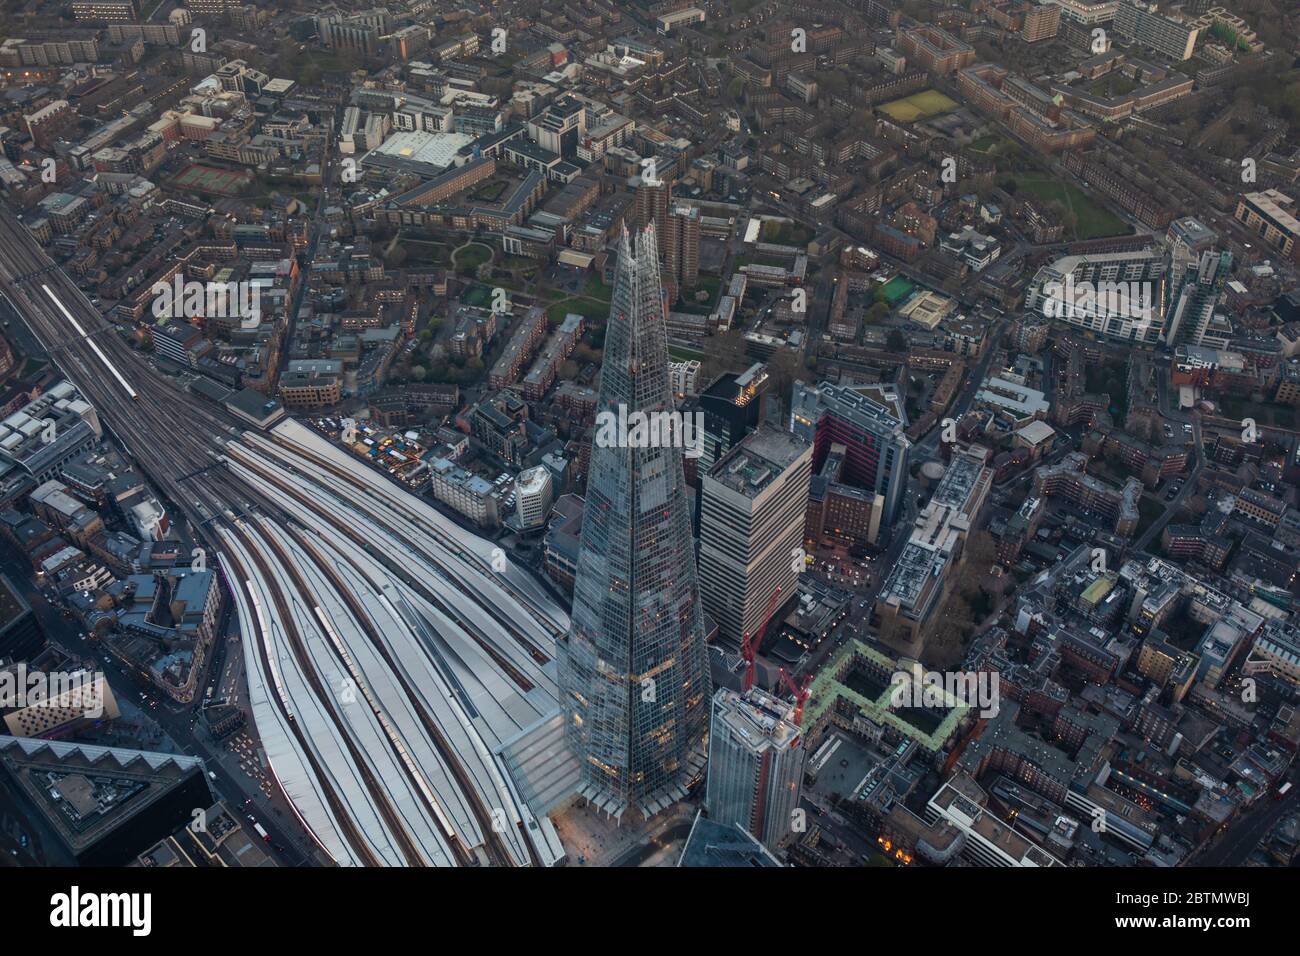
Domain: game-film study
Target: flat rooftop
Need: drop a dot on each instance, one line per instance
(417, 146)
(762, 457)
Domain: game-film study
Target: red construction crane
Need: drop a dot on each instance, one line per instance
(800, 692)
(749, 643)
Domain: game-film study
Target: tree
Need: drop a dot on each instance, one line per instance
(784, 368)
(725, 353)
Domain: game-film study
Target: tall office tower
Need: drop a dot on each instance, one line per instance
(732, 405)
(756, 758)
(755, 500)
(634, 678)
(875, 447)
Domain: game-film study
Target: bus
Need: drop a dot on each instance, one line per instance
(1282, 791)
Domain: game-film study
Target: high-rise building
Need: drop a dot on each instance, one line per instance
(875, 446)
(677, 226)
(1191, 316)
(652, 203)
(1142, 23)
(1042, 20)
(752, 520)
(732, 405)
(533, 496)
(680, 245)
(633, 672)
(1272, 215)
(756, 758)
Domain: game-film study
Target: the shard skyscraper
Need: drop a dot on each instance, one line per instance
(634, 679)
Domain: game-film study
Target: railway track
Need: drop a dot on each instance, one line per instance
(497, 851)
(351, 833)
(406, 844)
(395, 568)
(445, 540)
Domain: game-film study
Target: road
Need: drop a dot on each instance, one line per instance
(1189, 485)
(175, 720)
(1234, 846)
(309, 255)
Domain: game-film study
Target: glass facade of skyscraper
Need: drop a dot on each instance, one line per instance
(633, 670)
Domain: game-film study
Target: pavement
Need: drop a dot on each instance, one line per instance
(593, 838)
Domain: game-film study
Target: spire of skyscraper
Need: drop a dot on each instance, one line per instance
(634, 681)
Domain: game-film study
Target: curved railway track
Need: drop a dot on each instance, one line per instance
(448, 542)
(351, 833)
(395, 568)
(497, 851)
(406, 844)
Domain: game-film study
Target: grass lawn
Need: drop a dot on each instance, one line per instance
(476, 295)
(992, 145)
(1094, 221)
(921, 105)
(587, 308)
(596, 289)
(424, 252)
(489, 192)
(712, 285)
(1113, 84)
(679, 353)
(471, 257)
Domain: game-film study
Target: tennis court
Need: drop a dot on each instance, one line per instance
(209, 179)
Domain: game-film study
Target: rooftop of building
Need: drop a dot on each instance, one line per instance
(757, 460)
